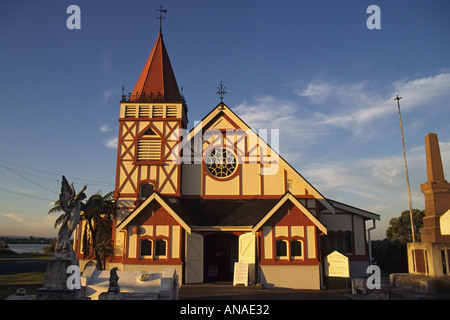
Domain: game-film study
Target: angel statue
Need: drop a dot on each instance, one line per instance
(70, 204)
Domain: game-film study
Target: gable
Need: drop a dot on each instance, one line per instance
(153, 214)
(145, 211)
(280, 214)
(261, 172)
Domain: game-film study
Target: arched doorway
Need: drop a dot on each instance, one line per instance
(220, 254)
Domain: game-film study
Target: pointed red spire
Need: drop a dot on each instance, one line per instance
(157, 81)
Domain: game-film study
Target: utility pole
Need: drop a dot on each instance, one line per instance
(406, 170)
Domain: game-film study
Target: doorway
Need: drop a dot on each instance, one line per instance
(220, 254)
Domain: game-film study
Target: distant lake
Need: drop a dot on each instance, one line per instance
(27, 247)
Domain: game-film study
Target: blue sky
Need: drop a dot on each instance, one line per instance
(309, 68)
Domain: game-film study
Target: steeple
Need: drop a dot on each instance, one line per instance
(157, 82)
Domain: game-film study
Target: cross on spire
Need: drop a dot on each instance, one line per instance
(221, 91)
(160, 18)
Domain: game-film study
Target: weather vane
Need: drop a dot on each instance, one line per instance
(161, 18)
(221, 91)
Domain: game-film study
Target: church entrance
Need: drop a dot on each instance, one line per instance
(220, 254)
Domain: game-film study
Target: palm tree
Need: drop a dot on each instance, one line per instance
(96, 211)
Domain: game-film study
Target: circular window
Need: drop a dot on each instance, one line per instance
(221, 162)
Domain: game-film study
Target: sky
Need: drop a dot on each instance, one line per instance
(312, 69)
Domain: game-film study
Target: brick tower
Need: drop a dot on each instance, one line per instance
(436, 191)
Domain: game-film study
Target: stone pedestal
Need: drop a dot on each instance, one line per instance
(55, 286)
(429, 258)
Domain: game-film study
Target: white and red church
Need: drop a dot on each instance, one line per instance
(201, 200)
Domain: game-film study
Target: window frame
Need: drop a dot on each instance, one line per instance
(159, 256)
(143, 184)
(146, 256)
(286, 244)
(300, 242)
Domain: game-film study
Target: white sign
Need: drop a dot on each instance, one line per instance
(336, 265)
(240, 273)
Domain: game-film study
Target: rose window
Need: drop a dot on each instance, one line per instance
(221, 162)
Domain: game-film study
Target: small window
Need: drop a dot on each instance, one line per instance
(148, 150)
(130, 111)
(171, 111)
(144, 111)
(158, 111)
(160, 248)
(348, 243)
(145, 190)
(296, 249)
(281, 249)
(146, 248)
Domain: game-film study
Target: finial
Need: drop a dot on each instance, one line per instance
(221, 91)
(161, 18)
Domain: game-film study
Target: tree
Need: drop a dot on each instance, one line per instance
(390, 256)
(400, 228)
(97, 212)
(97, 239)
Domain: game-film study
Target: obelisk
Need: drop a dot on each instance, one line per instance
(436, 191)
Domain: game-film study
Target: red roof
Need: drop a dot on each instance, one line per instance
(157, 78)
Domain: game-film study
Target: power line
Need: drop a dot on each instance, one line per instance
(26, 195)
(92, 182)
(38, 184)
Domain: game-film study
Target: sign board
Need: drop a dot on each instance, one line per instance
(240, 273)
(336, 265)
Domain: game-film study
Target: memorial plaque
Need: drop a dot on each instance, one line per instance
(336, 265)
(240, 273)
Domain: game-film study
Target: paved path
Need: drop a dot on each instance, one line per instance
(230, 293)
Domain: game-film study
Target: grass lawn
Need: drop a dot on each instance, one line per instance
(30, 281)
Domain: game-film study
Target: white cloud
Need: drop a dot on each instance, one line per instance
(107, 94)
(111, 143)
(355, 106)
(16, 217)
(293, 120)
(105, 128)
(29, 222)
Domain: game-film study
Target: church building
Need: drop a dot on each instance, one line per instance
(200, 200)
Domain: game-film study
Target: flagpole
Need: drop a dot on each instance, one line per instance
(406, 170)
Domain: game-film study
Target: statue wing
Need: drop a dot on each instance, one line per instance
(67, 193)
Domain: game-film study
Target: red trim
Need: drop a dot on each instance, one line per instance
(203, 196)
(289, 215)
(156, 216)
(285, 262)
